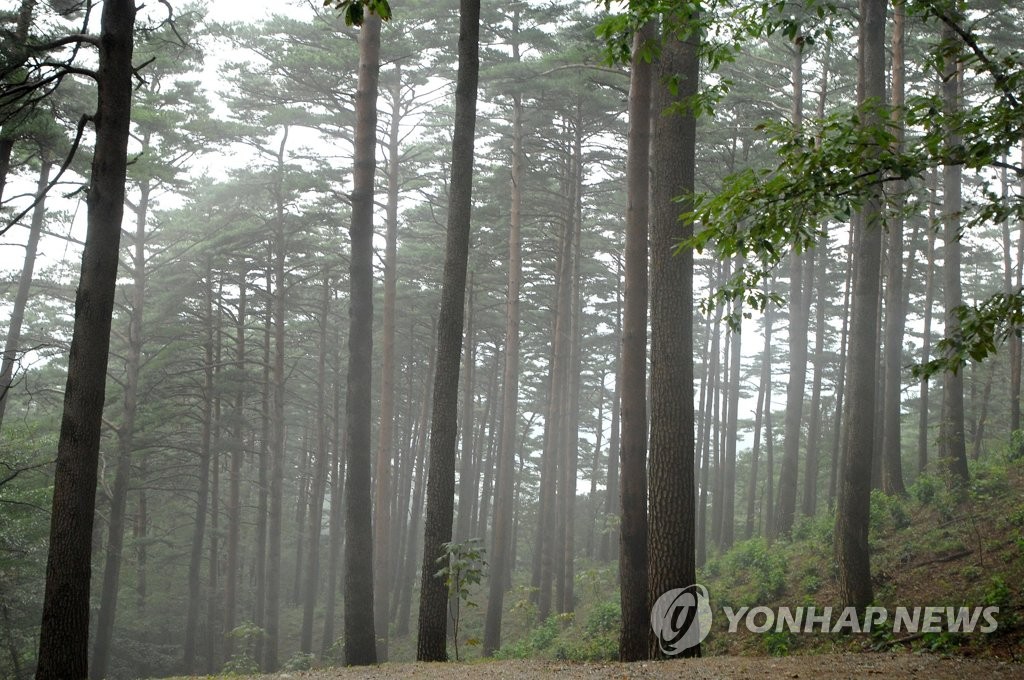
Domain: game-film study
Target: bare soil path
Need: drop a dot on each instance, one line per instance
(817, 667)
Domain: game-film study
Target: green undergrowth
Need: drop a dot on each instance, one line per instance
(937, 545)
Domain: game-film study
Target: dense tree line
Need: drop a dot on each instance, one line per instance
(302, 308)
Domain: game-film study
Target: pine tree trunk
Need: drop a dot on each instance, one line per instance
(64, 632)
(232, 574)
(837, 416)
(263, 472)
(763, 398)
(418, 481)
(633, 637)
(336, 517)
(501, 544)
(810, 500)
(952, 430)
(788, 471)
(125, 446)
(383, 528)
(203, 493)
(360, 645)
(277, 425)
(567, 602)
(854, 491)
(609, 534)
(1014, 341)
(12, 346)
(316, 511)
(729, 469)
(671, 541)
(431, 640)
(895, 312)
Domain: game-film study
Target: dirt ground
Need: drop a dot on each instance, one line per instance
(904, 665)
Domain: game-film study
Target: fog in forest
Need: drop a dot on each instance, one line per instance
(346, 332)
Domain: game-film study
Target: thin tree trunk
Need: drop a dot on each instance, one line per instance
(633, 638)
(276, 451)
(729, 468)
(892, 473)
(819, 271)
(316, 510)
(12, 346)
(837, 416)
(125, 447)
(926, 333)
(953, 438)
(263, 473)
(788, 471)
(567, 602)
(412, 552)
(232, 575)
(979, 428)
(431, 641)
(1014, 340)
(337, 517)
(609, 533)
(383, 527)
(853, 502)
(203, 493)
(763, 397)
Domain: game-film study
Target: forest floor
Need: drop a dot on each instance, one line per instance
(893, 665)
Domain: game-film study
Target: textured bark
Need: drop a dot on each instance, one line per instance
(431, 641)
(672, 520)
(360, 645)
(634, 636)
(125, 445)
(12, 345)
(64, 632)
(501, 544)
(854, 492)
